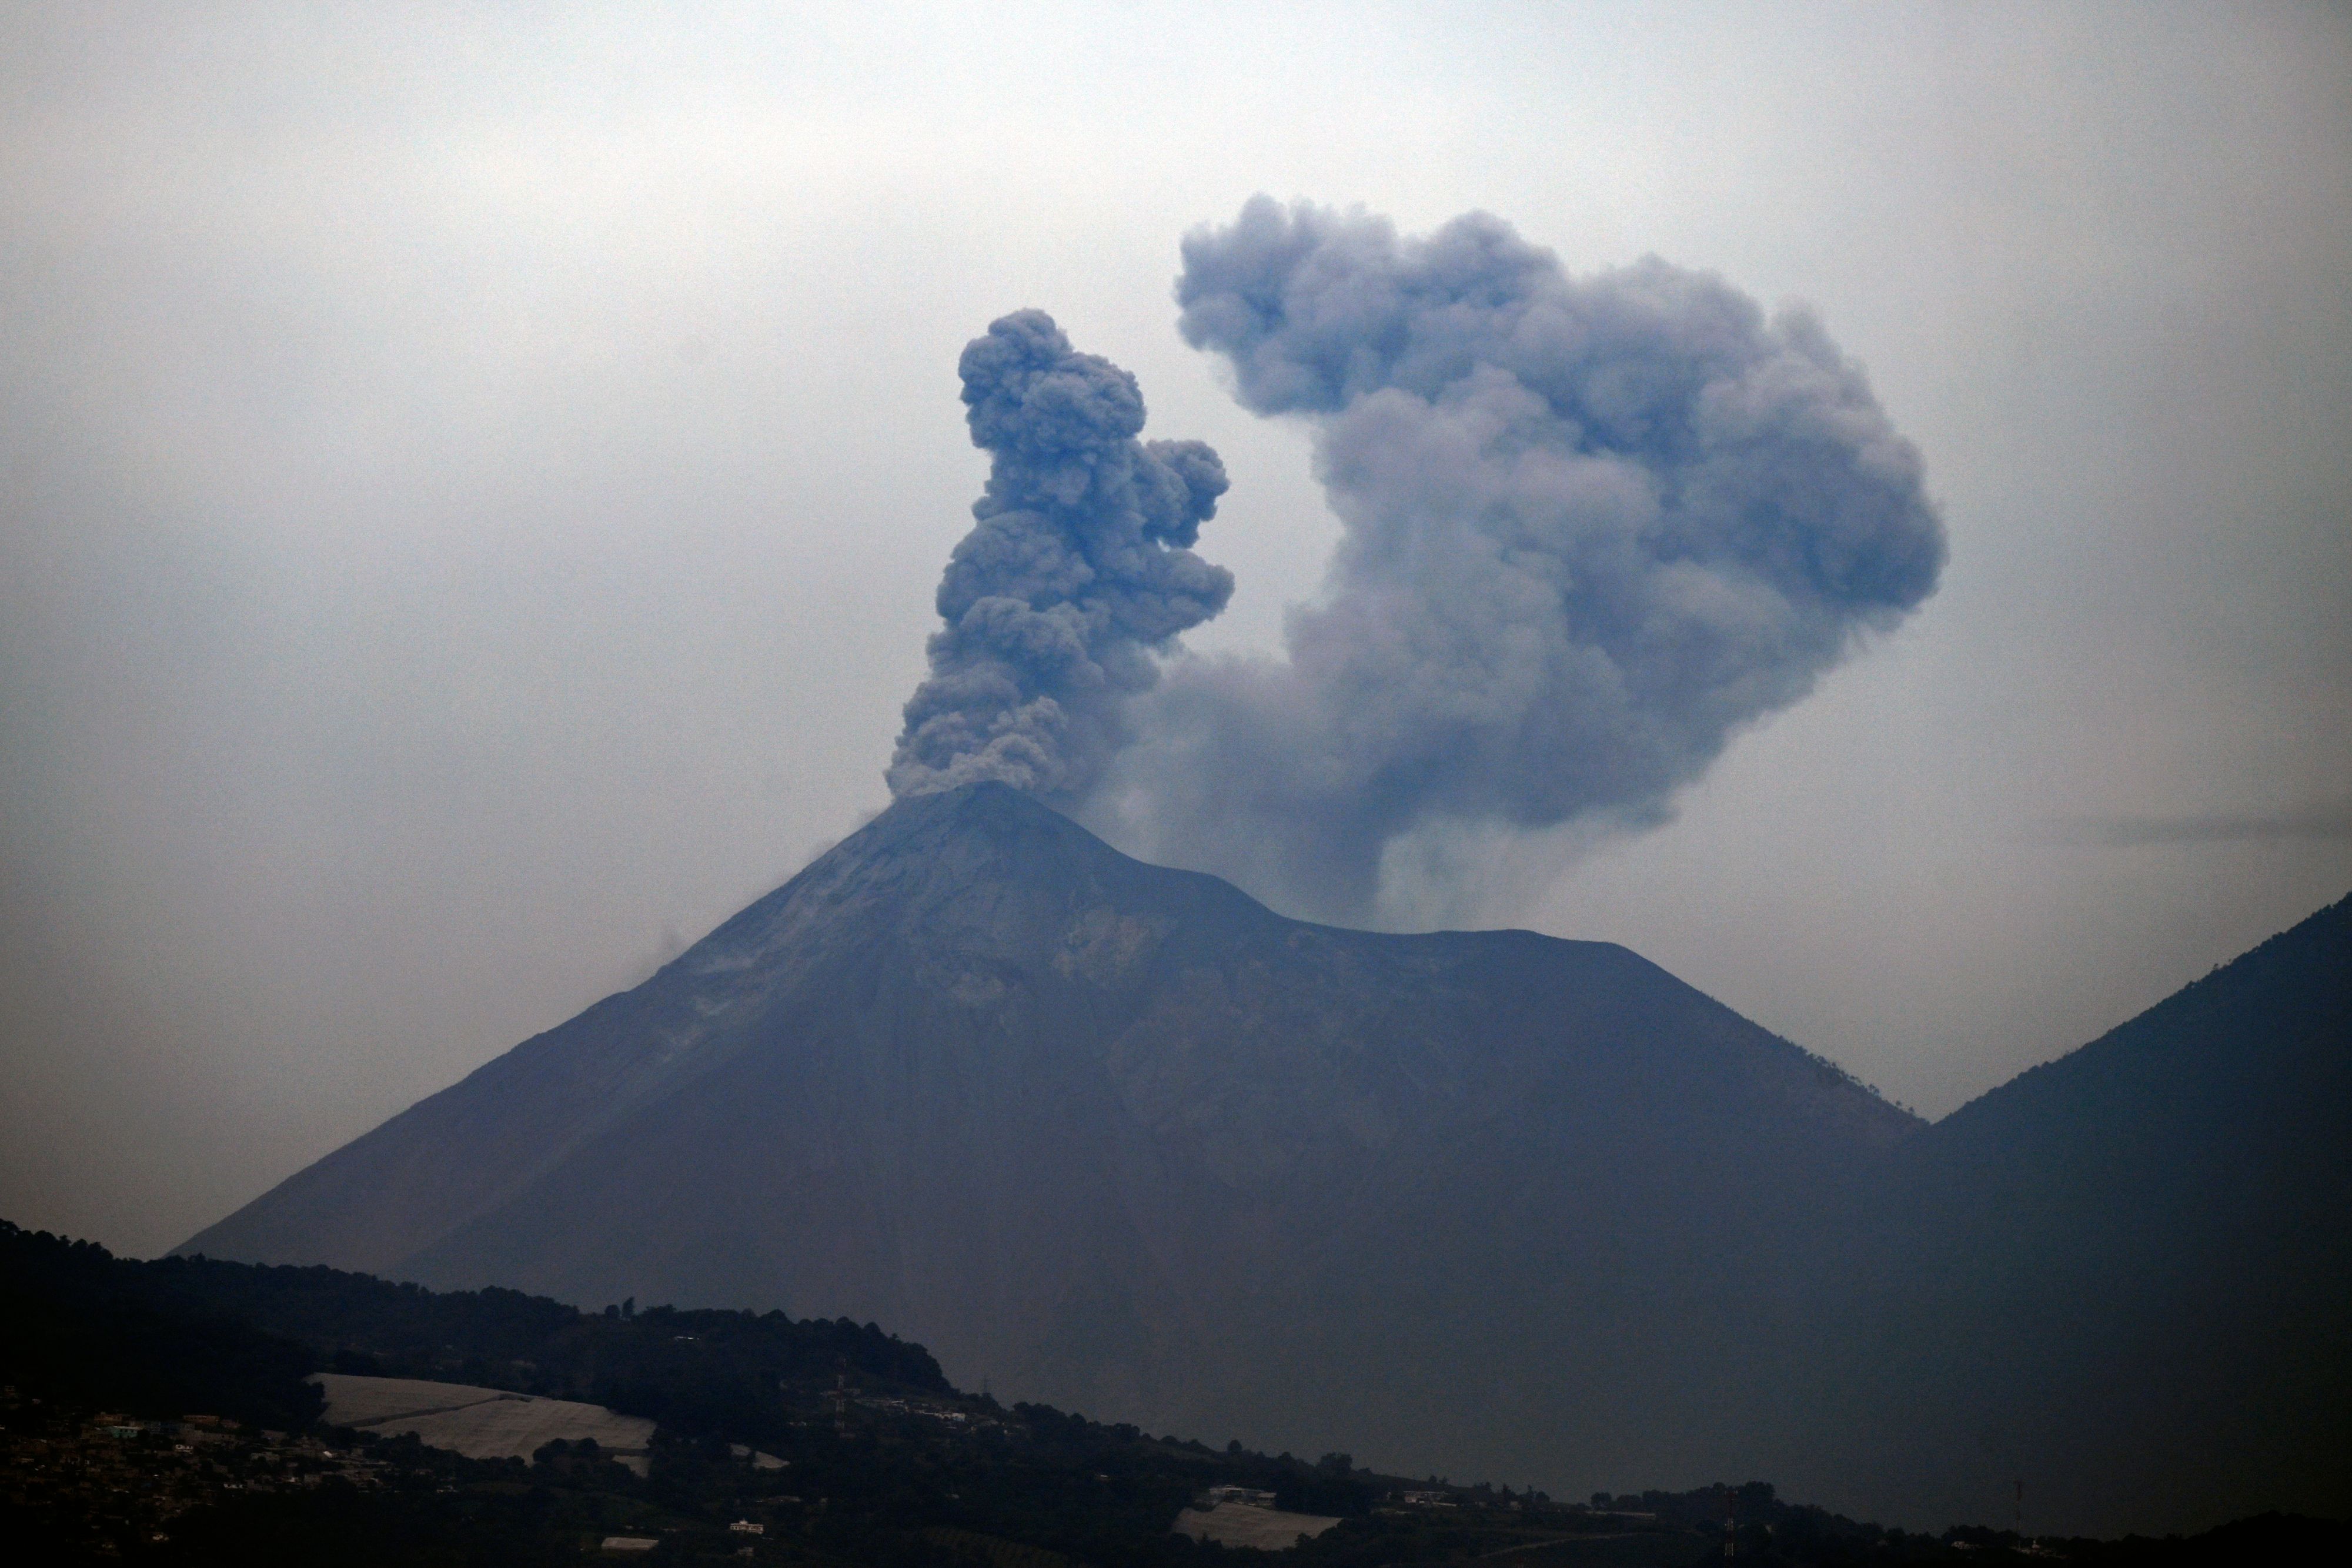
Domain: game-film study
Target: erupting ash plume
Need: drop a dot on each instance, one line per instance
(1080, 567)
(1591, 526)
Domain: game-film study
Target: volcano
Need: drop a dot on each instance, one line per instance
(1121, 1139)
(1118, 1138)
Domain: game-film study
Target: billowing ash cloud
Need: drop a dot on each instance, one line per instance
(1592, 526)
(1080, 567)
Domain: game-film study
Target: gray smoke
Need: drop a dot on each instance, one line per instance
(1080, 567)
(1592, 526)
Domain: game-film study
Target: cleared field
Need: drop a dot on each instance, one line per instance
(479, 1422)
(1244, 1524)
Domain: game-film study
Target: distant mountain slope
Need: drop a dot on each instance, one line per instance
(2123, 1278)
(1118, 1137)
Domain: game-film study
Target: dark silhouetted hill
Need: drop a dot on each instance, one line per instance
(79, 1327)
(2123, 1278)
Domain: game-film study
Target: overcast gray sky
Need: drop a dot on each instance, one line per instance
(471, 492)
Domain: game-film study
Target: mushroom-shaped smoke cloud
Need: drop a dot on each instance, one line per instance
(1079, 568)
(1592, 526)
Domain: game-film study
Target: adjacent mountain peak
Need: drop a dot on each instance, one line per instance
(2294, 987)
(2126, 1272)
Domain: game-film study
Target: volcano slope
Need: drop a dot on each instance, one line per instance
(1120, 1138)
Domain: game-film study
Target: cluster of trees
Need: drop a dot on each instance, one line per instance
(236, 1339)
(661, 1362)
(79, 1327)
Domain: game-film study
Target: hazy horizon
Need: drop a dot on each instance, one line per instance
(474, 492)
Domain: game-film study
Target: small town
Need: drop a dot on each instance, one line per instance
(109, 1483)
